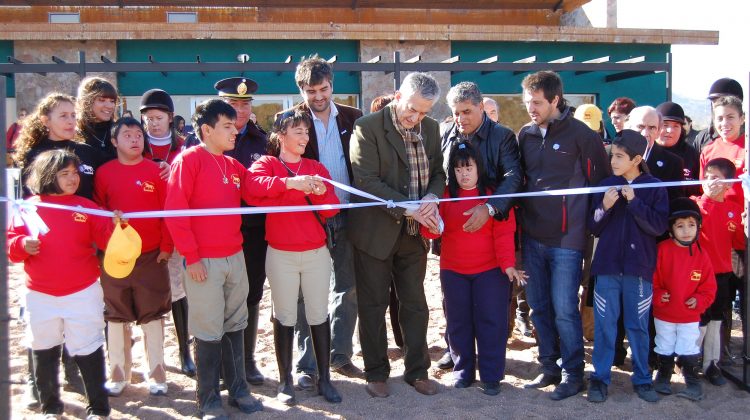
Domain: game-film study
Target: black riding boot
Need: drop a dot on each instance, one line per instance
(321, 340)
(252, 374)
(30, 395)
(94, 373)
(690, 368)
(283, 340)
(663, 381)
(180, 317)
(73, 381)
(208, 355)
(232, 365)
(46, 370)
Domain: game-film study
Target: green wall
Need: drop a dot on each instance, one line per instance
(644, 90)
(134, 84)
(6, 49)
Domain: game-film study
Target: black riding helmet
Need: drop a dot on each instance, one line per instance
(680, 208)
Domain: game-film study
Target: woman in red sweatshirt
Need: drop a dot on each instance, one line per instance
(476, 270)
(64, 301)
(297, 254)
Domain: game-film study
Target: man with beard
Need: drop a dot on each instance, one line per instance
(329, 144)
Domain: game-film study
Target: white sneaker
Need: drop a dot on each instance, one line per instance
(51, 416)
(157, 388)
(96, 417)
(115, 388)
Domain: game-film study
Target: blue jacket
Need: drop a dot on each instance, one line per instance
(627, 232)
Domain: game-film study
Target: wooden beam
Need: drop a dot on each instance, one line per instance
(414, 32)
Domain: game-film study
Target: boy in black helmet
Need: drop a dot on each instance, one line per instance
(684, 287)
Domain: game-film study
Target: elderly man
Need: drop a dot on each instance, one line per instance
(395, 155)
(329, 144)
(663, 164)
(557, 151)
(491, 108)
(250, 145)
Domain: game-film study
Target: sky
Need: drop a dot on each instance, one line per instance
(695, 66)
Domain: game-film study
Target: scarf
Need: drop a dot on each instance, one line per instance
(419, 165)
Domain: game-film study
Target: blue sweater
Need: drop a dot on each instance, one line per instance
(627, 231)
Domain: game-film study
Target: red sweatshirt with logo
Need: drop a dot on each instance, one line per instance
(734, 151)
(196, 182)
(66, 262)
(293, 231)
(135, 188)
(721, 231)
(682, 276)
(490, 247)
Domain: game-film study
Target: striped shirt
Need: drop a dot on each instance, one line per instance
(331, 151)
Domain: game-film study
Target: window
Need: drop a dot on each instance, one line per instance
(182, 17)
(513, 112)
(64, 17)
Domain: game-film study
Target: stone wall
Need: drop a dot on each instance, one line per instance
(375, 84)
(30, 88)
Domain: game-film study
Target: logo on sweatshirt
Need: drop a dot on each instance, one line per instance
(236, 180)
(695, 275)
(731, 226)
(79, 217)
(86, 169)
(148, 186)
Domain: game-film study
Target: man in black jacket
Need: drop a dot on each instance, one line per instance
(557, 152)
(329, 144)
(663, 164)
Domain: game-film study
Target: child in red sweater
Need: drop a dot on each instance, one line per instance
(476, 271)
(728, 119)
(721, 233)
(64, 299)
(684, 287)
(132, 183)
(216, 283)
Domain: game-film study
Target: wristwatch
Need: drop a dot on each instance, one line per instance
(491, 208)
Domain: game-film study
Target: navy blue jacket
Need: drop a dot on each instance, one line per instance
(627, 231)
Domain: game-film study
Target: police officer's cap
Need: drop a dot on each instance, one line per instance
(671, 111)
(236, 87)
(157, 99)
(724, 87)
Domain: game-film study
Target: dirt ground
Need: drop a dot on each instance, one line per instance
(726, 402)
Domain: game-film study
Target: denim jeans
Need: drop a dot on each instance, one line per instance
(631, 296)
(552, 293)
(342, 307)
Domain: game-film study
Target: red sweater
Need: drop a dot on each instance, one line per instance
(294, 231)
(735, 152)
(682, 276)
(166, 151)
(490, 247)
(66, 262)
(195, 182)
(135, 188)
(721, 231)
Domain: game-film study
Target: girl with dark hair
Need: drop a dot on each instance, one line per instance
(297, 257)
(64, 300)
(476, 270)
(95, 108)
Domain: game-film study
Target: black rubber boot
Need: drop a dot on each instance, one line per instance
(283, 340)
(690, 368)
(663, 381)
(73, 381)
(321, 340)
(208, 355)
(252, 374)
(180, 317)
(232, 365)
(30, 395)
(46, 370)
(94, 373)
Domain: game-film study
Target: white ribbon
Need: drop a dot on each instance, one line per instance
(27, 210)
(24, 213)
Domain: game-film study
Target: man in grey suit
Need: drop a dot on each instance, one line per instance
(395, 154)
